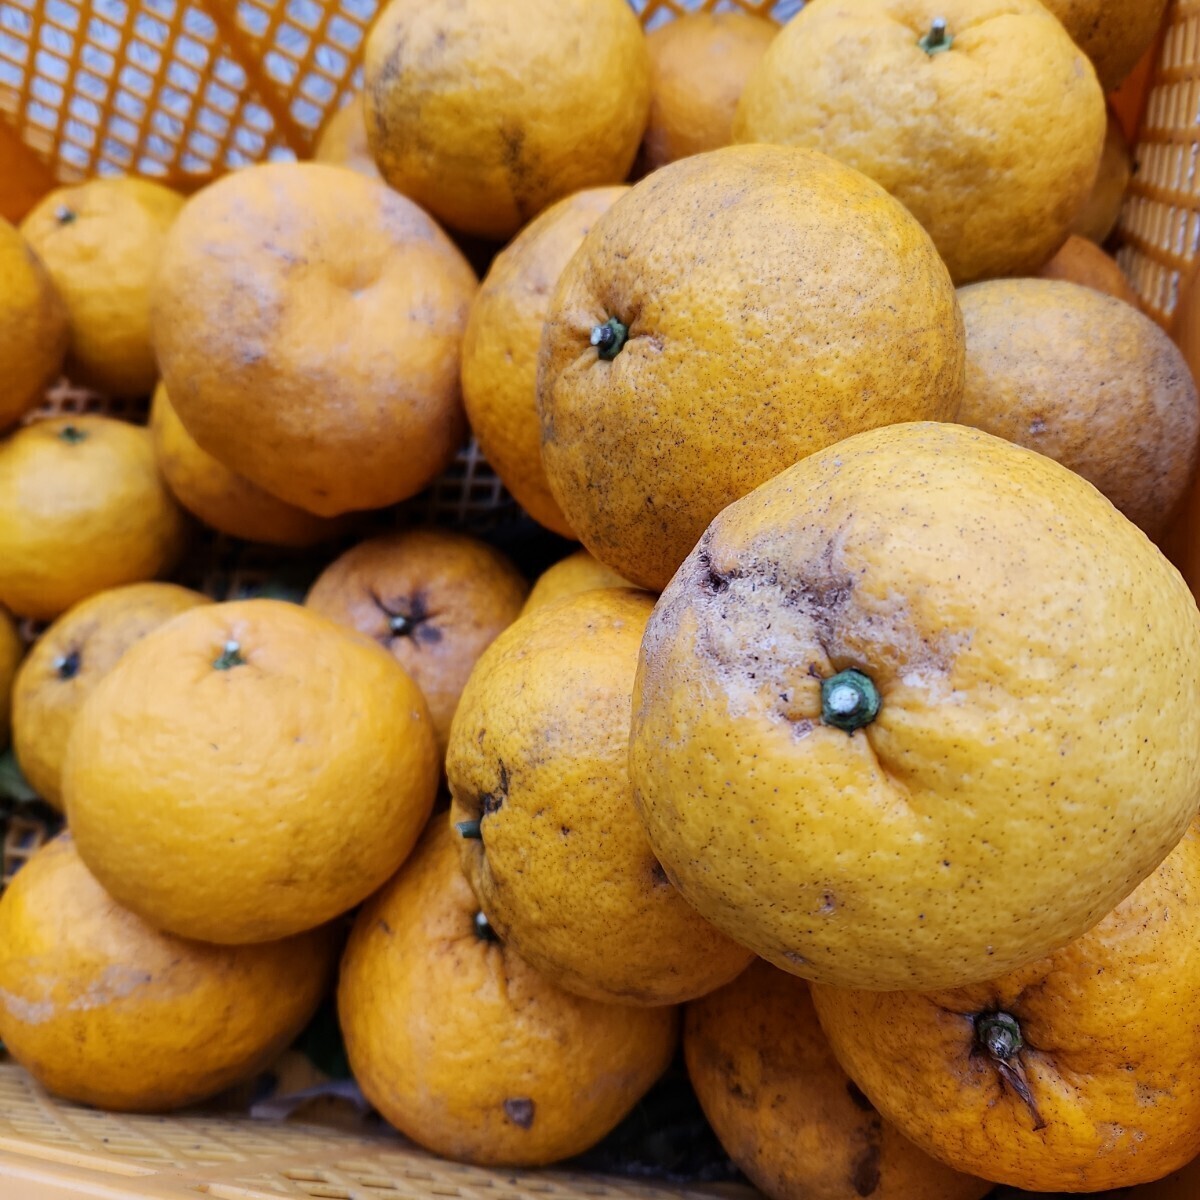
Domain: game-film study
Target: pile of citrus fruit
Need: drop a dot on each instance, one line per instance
(858, 746)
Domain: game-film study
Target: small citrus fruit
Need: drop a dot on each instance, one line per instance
(101, 241)
(1114, 34)
(308, 323)
(464, 1047)
(343, 140)
(500, 349)
(556, 854)
(101, 1008)
(82, 509)
(735, 312)
(1098, 217)
(248, 771)
(1081, 261)
(435, 599)
(578, 572)
(67, 662)
(953, 692)
(486, 113)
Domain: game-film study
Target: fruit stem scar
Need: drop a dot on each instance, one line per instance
(849, 700)
(483, 928)
(64, 215)
(66, 666)
(400, 625)
(72, 434)
(937, 39)
(230, 656)
(470, 829)
(609, 338)
(999, 1035)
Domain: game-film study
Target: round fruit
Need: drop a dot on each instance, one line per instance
(465, 1048)
(223, 499)
(735, 312)
(983, 119)
(486, 113)
(101, 1008)
(1114, 34)
(102, 241)
(1088, 381)
(699, 65)
(552, 844)
(1076, 1073)
(578, 572)
(33, 327)
(82, 509)
(784, 1110)
(954, 693)
(1098, 217)
(308, 323)
(248, 771)
(500, 350)
(343, 140)
(1082, 261)
(11, 650)
(67, 662)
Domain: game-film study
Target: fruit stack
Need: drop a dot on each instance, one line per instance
(860, 743)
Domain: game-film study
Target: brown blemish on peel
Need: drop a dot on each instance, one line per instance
(520, 1112)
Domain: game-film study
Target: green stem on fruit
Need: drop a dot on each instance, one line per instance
(999, 1035)
(849, 700)
(72, 434)
(230, 656)
(938, 39)
(609, 338)
(470, 829)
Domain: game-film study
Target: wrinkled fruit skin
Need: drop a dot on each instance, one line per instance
(1037, 750)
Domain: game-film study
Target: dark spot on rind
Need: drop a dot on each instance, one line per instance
(865, 1176)
(68, 666)
(520, 1112)
(385, 926)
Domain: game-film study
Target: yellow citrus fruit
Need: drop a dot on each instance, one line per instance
(578, 572)
(486, 113)
(33, 327)
(464, 1047)
(1075, 1073)
(735, 312)
(984, 119)
(500, 349)
(67, 662)
(1088, 381)
(11, 650)
(951, 690)
(308, 322)
(1081, 261)
(1114, 34)
(102, 241)
(223, 499)
(784, 1110)
(435, 599)
(699, 64)
(1098, 217)
(561, 865)
(248, 771)
(343, 140)
(82, 509)
(101, 1008)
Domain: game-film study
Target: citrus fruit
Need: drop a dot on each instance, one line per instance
(784, 1110)
(735, 312)
(248, 771)
(949, 688)
(486, 114)
(1081, 261)
(699, 64)
(435, 599)
(102, 241)
(33, 327)
(1098, 217)
(11, 650)
(1114, 34)
(101, 1008)
(343, 140)
(500, 349)
(1088, 381)
(82, 509)
(984, 119)
(67, 662)
(465, 1048)
(1077, 1072)
(223, 499)
(308, 323)
(551, 844)
(578, 572)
